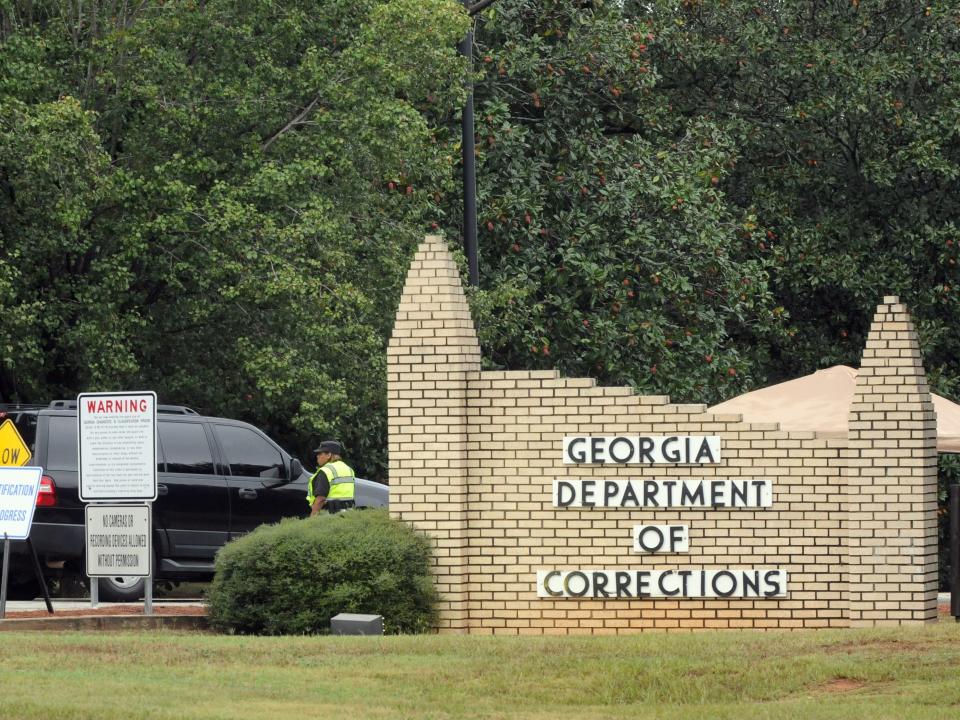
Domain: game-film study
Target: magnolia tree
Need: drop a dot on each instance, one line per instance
(844, 116)
(608, 245)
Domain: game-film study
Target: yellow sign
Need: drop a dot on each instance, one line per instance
(13, 450)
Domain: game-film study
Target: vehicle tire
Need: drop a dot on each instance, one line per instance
(121, 588)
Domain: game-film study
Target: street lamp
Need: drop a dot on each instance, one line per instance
(469, 155)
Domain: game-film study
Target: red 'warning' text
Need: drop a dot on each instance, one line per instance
(122, 405)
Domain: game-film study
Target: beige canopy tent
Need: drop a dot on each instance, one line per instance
(821, 402)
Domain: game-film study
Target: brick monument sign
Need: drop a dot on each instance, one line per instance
(557, 506)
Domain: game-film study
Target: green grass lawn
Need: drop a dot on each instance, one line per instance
(870, 674)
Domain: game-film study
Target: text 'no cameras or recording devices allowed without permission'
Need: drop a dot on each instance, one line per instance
(118, 539)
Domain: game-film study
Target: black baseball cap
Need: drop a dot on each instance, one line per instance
(329, 446)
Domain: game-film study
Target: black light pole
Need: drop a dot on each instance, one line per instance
(469, 155)
(469, 165)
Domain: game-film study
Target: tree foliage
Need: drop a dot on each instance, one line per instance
(846, 118)
(609, 248)
(217, 200)
(664, 183)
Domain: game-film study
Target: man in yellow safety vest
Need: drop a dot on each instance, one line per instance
(331, 486)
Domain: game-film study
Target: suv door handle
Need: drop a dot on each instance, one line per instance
(248, 494)
(162, 490)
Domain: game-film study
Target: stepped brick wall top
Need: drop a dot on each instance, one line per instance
(849, 530)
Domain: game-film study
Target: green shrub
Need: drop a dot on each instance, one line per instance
(291, 578)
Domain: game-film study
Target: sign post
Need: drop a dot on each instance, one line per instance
(117, 441)
(3, 580)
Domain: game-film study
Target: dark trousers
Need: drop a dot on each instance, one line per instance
(335, 506)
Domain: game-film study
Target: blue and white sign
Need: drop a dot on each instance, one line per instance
(19, 487)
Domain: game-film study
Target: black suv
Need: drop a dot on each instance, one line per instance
(216, 480)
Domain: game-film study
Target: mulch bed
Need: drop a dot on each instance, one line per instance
(109, 609)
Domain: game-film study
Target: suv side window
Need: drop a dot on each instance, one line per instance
(248, 453)
(62, 453)
(185, 448)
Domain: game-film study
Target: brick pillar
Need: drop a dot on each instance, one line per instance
(433, 348)
(892, 479)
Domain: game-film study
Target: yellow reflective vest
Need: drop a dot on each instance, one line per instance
(340, 476)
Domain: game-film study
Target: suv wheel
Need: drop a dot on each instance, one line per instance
(120, 588)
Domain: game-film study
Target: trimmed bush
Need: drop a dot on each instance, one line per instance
(291, 578)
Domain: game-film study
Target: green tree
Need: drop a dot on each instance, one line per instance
(218, 200)
(608, 246)
(846, 118)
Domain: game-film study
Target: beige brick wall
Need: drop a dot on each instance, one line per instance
(432, 352)
(473, 457)
(891, 478)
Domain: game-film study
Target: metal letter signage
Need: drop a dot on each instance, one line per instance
(117, 437)
(642, 449)
(653, 539)
(694, 583)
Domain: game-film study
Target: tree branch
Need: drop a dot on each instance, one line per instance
(478, 6)
(293, 123)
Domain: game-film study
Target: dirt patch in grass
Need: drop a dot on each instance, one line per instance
(841, 685)
(885, 646)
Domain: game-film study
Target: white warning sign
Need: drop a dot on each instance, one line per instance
(117, 437)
